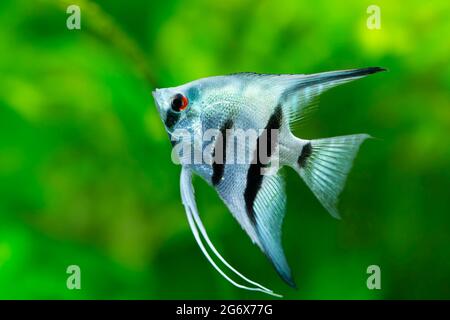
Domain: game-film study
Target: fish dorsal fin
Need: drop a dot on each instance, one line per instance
(298, 93)
(301, 92)
(268, 213)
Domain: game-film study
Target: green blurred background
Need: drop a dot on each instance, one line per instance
(85, 170)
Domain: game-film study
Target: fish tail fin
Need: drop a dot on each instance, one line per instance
(324, 165)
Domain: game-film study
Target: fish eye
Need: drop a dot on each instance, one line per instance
(179, 102)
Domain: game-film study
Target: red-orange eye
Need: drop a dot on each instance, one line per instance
(179, 102)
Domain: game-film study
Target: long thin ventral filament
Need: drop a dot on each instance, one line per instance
(195, 223)
(205, 252)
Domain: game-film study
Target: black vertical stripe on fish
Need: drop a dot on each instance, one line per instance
(172, 140)
(254, 176)
(219, 166)
(171, 119)
(305, 154)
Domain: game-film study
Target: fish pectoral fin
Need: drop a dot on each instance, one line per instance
(324, 165)
(268, 213)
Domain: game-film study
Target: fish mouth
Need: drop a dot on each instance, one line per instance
(159, 102)
(157, 96)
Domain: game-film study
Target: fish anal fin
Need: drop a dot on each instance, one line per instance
(269, 210)
(199, 232)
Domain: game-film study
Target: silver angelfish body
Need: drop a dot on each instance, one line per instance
(263, 108)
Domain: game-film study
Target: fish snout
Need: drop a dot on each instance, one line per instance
(157, 97)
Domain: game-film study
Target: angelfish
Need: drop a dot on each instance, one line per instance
(261, 102)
